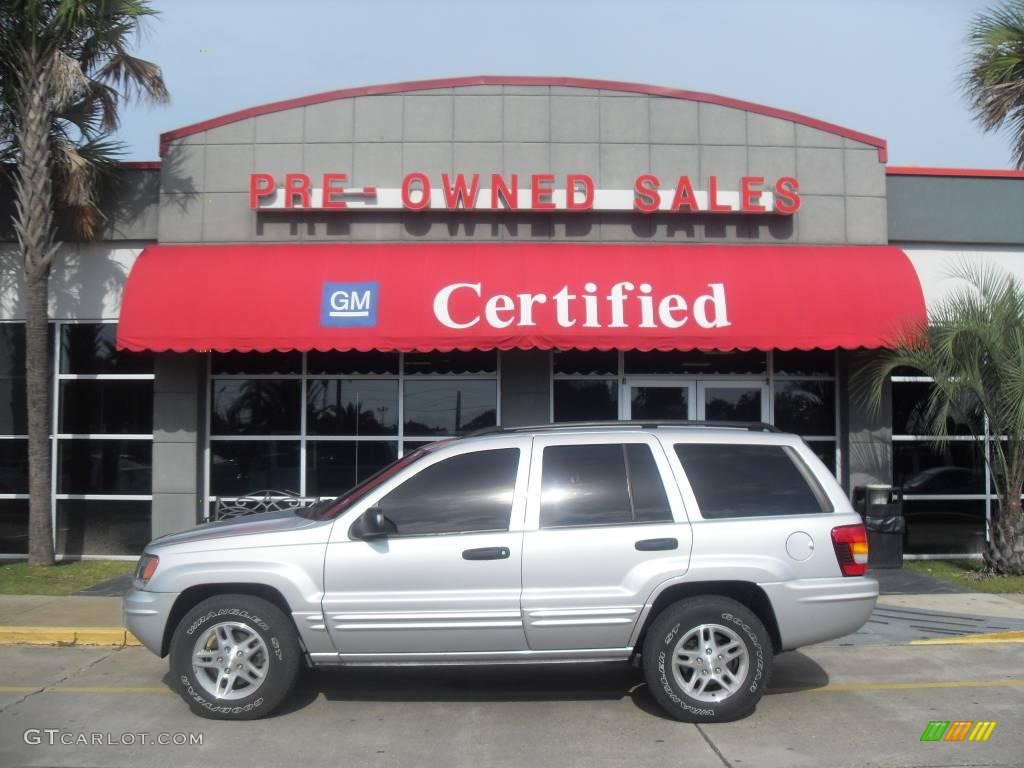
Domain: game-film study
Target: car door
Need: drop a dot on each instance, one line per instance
(603, 529)
(447, 577)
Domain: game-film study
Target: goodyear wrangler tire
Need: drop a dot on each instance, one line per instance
(707, 659)
(234, 657)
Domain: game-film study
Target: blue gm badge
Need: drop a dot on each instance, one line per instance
(349, 305)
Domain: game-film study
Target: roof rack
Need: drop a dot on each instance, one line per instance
(750, 426)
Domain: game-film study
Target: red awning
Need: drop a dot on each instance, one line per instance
(443, 296)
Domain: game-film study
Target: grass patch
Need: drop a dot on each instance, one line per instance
(64, 578)
(967, 573)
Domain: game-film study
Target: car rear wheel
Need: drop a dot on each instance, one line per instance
(234, 657)
(707, 659)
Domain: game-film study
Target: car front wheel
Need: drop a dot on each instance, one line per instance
(707, 659)
(234, 657)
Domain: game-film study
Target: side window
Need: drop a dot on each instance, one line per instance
(469, 492)
(611, 484)
(750, 481)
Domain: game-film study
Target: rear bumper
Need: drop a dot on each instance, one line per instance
(814, 610)
(145, 615)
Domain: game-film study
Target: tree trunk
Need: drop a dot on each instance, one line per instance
(33, 222)
(1005, 550)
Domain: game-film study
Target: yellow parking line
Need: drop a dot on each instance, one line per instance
(844, 688)
(1012, 636)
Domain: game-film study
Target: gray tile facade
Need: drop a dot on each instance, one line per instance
(613, 136)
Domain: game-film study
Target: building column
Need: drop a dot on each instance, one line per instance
(868, 458)
(525, 387)
(178, 404)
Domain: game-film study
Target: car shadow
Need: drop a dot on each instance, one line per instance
(793, 672)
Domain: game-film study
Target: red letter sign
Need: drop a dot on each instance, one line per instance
(330, 190)
(260, 185)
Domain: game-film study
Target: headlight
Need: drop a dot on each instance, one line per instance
(145, 569)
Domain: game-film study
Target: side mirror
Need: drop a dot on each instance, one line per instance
(369, 525)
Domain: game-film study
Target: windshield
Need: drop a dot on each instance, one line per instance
(328, 508)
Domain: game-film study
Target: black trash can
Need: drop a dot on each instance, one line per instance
(881, 506)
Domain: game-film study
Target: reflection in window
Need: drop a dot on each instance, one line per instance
(256, 407)
(106, 407)
(694, 362)
(241, 467)
(332, 467)
(469, 492)
(13, 466)
(351, 407)
(732, 404)
(256, 363)
(102, 527)
(105, 466)
(816, 362)
(806, 407)
(352, 363)
(585, 400)
(440, 407)
(586, 362)
(14, 526)
(958, 467)
(910, 411)
(13, 419)
(451, 362)
(92, 348)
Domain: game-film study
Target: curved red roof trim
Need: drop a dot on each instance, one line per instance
(566, 82)
(975, 173)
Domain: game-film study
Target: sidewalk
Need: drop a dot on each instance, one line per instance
(86, 620)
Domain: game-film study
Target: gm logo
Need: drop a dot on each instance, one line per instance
(349, 305)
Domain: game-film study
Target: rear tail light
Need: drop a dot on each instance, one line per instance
(851, 545)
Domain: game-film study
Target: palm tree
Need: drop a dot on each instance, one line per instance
(994, 77)
(65, 68)
(973, 349)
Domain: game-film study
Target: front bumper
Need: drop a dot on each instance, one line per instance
(812, 611)
(145, 615)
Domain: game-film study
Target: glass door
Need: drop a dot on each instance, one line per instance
(659, 400)
(732, 401)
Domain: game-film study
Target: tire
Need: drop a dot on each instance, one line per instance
(729, 691)
(261, 639)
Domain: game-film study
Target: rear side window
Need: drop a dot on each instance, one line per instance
(468, 492)
(613, 484)
(750, 481)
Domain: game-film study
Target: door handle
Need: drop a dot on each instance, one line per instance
(654, 545)
(486, 553)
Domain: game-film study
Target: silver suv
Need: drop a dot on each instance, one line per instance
(702, 550)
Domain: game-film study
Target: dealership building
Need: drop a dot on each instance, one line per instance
(296, 294)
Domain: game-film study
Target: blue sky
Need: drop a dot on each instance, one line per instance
(884, 67)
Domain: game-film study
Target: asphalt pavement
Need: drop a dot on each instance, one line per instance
(827, 705)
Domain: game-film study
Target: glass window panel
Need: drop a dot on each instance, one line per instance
(441, 407)
(451, 362)
(650, 504)
(659, 403)
(470, 492)
(256, 407)
(748, 481)
(582, 400)
(806, 407)
(351, 407)
(13, 416)
(590, 361)
(352, 363)
(12, 349)
(733, 404)
(816, 362)
(241, 467)
(103, 527)
(584, 485)
(256, 363)
(826, 451)
(957, 468)
(332, 467)
(13, 526)
(938, 526)
(13, 466)
(910, 411)
(115, 407)
(694, 362)
(105, 466)
(92, 348)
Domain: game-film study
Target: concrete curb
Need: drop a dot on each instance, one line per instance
(986, 638)
(66, 636)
